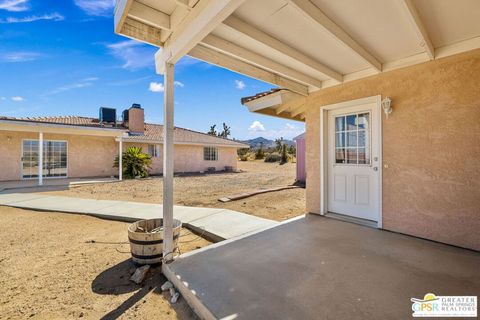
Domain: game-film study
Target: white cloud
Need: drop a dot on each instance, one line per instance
(289, 131)
(135, 55)
(289, 126)
(156, 87)
(87, 82)
(14, 5)
(179, 84)
(256, 126)
(19, 56)
(96, 7)
(239, 84)
(52, 16)
(17, 99)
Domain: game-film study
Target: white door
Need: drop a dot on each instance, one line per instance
(353, 161)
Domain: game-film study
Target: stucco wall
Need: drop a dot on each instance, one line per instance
(88, 156)
(431, 144)
(189, 158)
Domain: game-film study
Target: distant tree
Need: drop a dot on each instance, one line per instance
(278, 144)
(260, 154)
(284, 154)
(212, 131)
(292, 149)
(226, 131)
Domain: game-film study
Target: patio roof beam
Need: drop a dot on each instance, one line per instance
(248, 30)
(290, 105)
(149, 16)
(199, 22)
(417, 24)
(313, 13)
(299, 110)
(248, 56)
(141, 32)
(220, 59)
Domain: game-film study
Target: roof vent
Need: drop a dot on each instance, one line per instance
(107, 115)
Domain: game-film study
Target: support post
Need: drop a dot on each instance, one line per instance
(168, 163)
(120, 159)
(40, 158)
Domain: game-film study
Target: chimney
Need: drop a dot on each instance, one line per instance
(136, 119)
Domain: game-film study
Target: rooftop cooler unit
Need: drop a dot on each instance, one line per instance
(107, 116)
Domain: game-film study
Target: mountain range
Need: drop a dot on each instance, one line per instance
(265, 143)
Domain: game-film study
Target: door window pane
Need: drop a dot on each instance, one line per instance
(363, 120)
(352, 139)
(340, 123)
(352, 122)
(351, 155)
(340, 139)
(340, 155)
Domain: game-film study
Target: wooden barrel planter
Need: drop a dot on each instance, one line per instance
(146, 240)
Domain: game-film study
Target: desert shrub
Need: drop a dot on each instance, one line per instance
(135, 163)
(243, 157)
(243, 151)
(273, 157)
(260, 154)
(292, 158)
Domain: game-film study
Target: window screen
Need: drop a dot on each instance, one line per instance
(210, 153)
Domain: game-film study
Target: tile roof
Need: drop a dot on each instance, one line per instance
(153, 132)
(260, 95)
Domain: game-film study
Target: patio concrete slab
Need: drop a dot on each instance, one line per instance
(321, 268)
(218, 224)
(226, 224)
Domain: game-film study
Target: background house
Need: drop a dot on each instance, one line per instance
(75, 146)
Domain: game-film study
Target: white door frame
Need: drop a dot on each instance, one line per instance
(324, 149)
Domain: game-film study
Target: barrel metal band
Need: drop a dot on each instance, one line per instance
(141, 242)
(153, 256)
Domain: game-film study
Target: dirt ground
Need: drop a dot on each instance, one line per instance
(49, 270)
(205, 190)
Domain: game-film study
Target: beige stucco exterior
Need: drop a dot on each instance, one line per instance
(431, 145)
(91, 156)
(189, 158)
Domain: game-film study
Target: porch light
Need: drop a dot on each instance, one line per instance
(386, 105)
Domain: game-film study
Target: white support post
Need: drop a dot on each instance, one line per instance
(168, 163)
(40, 158)
(120, 159)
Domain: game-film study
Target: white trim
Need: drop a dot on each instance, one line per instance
(187, 143)
(40, 158)
(324, 152)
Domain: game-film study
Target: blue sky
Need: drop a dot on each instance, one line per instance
(63, 58)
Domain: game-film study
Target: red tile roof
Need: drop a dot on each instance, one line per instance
(153, 132)
(260, 95)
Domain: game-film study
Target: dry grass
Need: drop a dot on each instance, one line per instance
(205, 190)
(49, 271)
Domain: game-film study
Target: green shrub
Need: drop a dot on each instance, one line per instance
(135, 163)
(260, 154)
(273, 157)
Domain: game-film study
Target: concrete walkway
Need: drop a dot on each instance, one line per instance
(218, 224)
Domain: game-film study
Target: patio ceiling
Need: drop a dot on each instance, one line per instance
(302, 45)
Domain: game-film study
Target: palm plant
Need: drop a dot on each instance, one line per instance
(135, 163)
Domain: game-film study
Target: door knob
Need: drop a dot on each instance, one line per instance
(375, 168)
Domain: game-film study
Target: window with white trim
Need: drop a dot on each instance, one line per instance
(210, 153)
(154, 150)
(352, 139)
